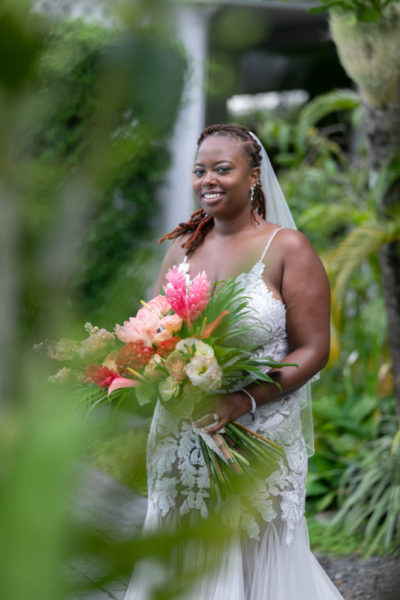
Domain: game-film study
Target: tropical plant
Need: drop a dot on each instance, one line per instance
(370, 492)
(367, 37)
(369, 50)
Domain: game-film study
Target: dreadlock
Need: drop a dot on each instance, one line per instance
(200, 223)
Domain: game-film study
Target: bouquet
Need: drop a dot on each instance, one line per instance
(181, 347)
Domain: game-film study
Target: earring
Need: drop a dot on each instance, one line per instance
(252, 189)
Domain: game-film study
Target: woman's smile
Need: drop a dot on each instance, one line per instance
(212, 197)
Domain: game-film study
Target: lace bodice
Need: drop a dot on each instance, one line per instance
(177, 477)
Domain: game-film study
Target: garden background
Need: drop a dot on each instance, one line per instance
(89, 109)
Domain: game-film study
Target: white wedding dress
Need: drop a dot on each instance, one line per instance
(274, 561)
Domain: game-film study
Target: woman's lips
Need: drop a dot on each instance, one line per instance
(212, 197)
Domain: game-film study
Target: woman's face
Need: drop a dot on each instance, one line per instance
(222, 177)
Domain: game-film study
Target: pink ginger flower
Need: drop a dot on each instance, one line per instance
(187, 299)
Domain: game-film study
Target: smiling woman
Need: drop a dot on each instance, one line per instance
(287, 291)
(222, 179)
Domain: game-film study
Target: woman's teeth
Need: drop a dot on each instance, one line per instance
(212, 196)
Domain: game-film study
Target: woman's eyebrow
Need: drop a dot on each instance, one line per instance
(197, 164)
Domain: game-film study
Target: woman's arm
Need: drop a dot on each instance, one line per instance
(305, 293)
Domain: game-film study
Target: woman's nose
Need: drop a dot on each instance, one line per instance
(208, 179)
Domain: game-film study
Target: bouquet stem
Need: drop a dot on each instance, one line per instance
(241, 449)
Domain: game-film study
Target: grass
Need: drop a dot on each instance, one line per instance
(334, 542)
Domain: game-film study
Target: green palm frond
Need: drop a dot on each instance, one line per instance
(319, 108)
(328, 217)
(230, 296)
(361, 243)
(88, 396)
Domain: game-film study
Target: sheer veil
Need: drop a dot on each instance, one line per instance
(278, 212)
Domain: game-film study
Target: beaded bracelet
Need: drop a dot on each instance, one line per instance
(252, 411)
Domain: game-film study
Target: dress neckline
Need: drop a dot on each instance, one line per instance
(250, 271)
(246, 273)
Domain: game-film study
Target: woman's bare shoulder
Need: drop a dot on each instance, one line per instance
(175, 253)
(292, 242)
(299, 259)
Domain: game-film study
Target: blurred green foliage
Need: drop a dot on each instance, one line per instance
(80, 67)
(39, 445)
(123, 457)
(84, 125)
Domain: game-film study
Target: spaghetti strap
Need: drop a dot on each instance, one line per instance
(269, 242)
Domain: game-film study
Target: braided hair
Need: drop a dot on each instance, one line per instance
(200, 223)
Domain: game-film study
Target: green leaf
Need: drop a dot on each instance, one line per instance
(369, 15)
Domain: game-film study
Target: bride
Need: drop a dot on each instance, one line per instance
(245, 230)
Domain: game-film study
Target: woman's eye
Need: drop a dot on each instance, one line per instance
(198, 172)
(223, 169)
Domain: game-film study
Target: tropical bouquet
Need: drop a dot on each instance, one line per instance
(181, 347)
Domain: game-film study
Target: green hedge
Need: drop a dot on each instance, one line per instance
(78, 79)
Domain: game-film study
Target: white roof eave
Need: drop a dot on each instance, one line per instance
(290, 4)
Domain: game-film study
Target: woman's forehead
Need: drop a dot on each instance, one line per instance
(218, 147)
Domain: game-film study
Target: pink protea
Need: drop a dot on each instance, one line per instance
(151, 324)
(159, 304)
(140, 328)
(187, 299)
(168, 326)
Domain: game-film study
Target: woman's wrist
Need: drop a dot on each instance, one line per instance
(263, 392)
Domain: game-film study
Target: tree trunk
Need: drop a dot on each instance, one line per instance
(382, 128)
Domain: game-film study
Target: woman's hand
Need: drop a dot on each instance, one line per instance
(218, 411)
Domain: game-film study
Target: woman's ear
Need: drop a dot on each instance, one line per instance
(255, 175)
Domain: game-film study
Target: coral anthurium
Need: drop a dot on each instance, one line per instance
(122, 382)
